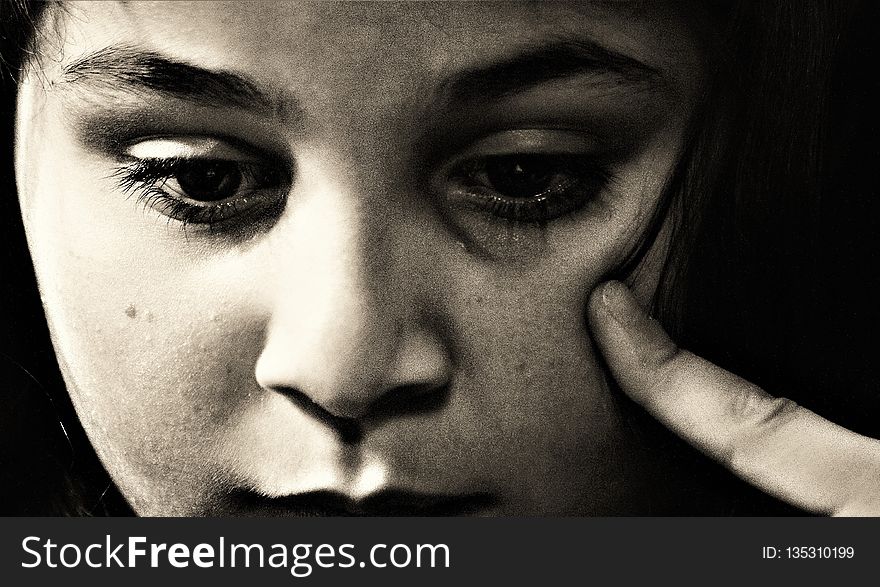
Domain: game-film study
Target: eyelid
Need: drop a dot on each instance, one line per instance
(525, 141)
(531, 141)
(194, 147)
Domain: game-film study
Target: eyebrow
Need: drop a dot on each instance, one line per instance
(560, 59)
(118, 68)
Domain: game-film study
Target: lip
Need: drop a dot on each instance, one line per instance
(389, 502)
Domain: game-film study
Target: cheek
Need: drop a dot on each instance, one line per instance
(532, 411)
(157, 350)
(533, 399)
(539, 403)
(546, 418)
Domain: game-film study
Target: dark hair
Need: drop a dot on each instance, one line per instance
(47, 466)
(773, 222)
(774, 215)
(768, 272)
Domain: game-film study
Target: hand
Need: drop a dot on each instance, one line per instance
(771, 442)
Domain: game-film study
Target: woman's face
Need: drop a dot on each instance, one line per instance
(316, 258)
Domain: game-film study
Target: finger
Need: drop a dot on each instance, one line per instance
(778, 446)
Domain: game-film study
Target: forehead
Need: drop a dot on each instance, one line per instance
(387, 42)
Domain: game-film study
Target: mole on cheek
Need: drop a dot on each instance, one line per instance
(131, 311)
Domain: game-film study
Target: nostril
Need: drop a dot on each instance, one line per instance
(396, 402)
(408, 399)
(349, 429)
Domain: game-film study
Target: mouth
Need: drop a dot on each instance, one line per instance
(384, 503)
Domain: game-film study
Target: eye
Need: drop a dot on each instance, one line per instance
(528, 187)
(194, 185)
(207, 181)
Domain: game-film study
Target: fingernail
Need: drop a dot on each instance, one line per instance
(620, 303)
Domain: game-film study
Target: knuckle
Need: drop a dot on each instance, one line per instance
(760, 411)
(660, 355)
(759, 417)
(663, 363)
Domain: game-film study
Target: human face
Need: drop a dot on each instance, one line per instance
(306, 258)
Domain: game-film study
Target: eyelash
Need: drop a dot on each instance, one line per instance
(147, 179)
(573, 181)
(578, 181)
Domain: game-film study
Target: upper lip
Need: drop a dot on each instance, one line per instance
(388, 502)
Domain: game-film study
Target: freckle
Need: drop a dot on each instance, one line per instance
(131, 311)
(215, 318)
(149, 316)
(480, 299)
(520, 367)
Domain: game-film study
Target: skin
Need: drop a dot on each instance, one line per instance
(206, 364)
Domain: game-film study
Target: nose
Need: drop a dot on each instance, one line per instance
(349, 339)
